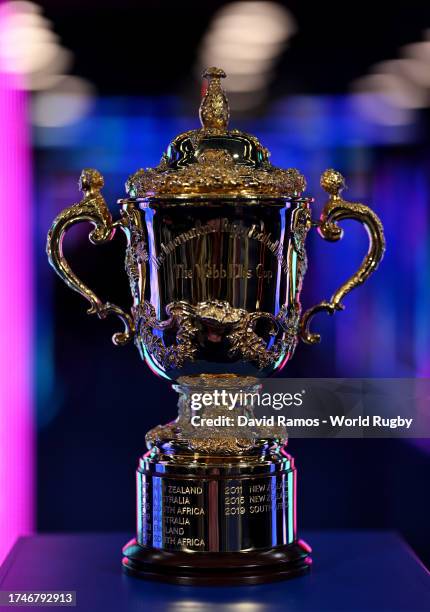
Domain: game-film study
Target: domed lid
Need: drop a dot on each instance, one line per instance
(214, 161)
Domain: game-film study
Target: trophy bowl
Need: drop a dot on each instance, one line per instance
(216, 260)
(216, 283)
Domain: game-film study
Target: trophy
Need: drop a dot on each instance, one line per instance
(216, 260)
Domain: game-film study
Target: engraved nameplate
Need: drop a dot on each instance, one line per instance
(215, 514)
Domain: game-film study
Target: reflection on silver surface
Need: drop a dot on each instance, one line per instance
(216, 285)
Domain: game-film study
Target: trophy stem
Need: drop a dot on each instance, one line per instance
(213, 507)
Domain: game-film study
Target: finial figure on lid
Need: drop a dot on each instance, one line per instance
(214, 110)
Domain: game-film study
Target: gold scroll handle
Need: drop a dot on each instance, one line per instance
(336, 210)
(92, 208)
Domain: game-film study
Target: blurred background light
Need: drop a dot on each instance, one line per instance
(418, 57)
(30, 48)
(64, 103)
(27, 42)
(51, 74)
(394, 88)
(378, 104)
(246, 39)
(410, 66)
(396, 80)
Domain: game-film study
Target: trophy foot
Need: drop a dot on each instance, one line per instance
(206, 569)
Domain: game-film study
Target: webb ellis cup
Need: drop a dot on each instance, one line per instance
(216, 260)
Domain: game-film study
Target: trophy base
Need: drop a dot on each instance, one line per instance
(232, 568)
(217, 520)
(215, 506)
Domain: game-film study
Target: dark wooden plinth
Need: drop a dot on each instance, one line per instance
(231, 568)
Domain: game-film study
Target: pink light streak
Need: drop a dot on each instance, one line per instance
(16, 309)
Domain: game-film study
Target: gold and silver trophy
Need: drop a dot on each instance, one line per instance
(216, 260)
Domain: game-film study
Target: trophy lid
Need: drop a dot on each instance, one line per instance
(214, 161)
